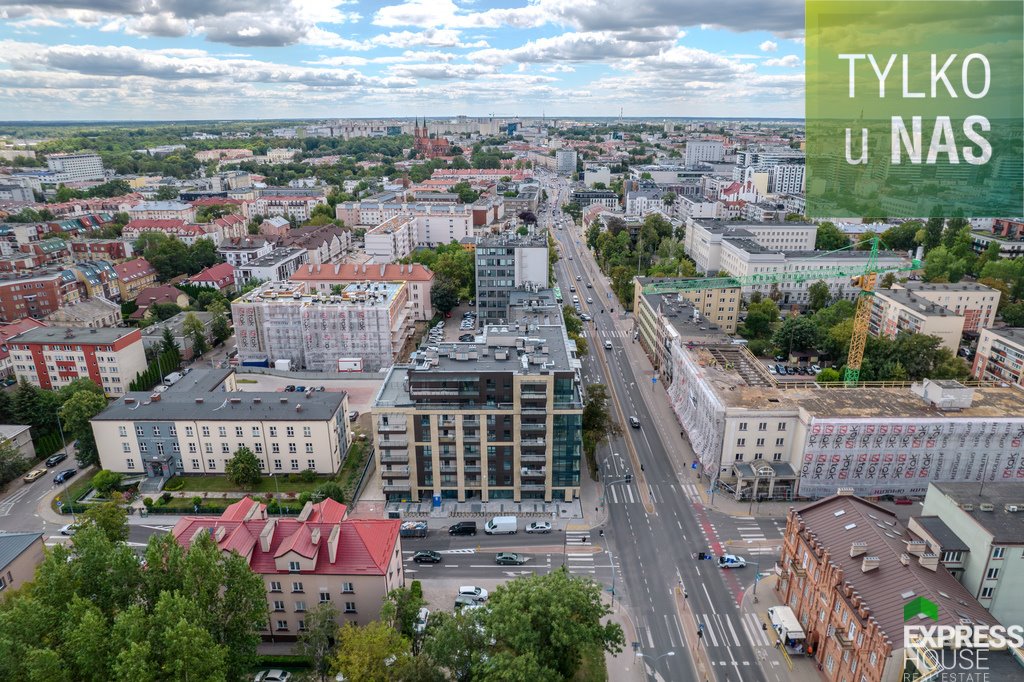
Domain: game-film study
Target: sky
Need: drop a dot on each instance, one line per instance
(251, 59)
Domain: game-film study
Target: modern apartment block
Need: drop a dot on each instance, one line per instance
(985, 550)
(901, 310)
(704, 151)
(565, 161)
(197, 425)
(504, 263)
(279, 264)
(81, 167)
(497, 419)
(850, 572)
(314, 330)
(318, 557)
(977, 303)
(716, 307)
(1000, 355)
(420, 279)
(53, 357)
(391, 240)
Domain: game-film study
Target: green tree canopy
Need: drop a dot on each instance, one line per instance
(243, 469)
(761, 319)
(76, 415)
(818, 295)
(829, 237)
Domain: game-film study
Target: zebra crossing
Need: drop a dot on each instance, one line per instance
(691, 492)
(608, 333)
(622, 494)
(720, 630)
(579, 555)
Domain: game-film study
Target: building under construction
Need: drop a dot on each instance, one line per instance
(368, 321)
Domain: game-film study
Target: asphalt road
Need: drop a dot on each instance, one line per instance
(656, 552)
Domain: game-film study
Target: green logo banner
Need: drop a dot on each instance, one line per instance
(913, 105)
(920, 607)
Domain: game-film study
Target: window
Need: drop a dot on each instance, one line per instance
(257, 447)
(211, 463)
(760, 442)
(275, 448)
(300, 607)
(738, 457)
(275, 586)
(277, 464)
(293, 565)
(122, 431)
(238, 432)
(777, 457)
(290, 431)
(192, 448)
(309, 448)
(763, 426)
(830, 663)
(296, 587)
(195, 463)
(255, 432)
(782, 426)
(222, 431)
(998, 552)
(225, 448)
(292, 449)
(130, 463)
(173, 430)
(279, 606)
(743, 426)
(852, 631)
(740, 442)
(206, 431)
(350, 607)
(295, 465)
(139, 431)
(126, 447)
(325, 597)
(986, 592)
(189, 431)
(311, 464)
(348, 588)
(282, 625)
(874, 658)
(302, 626)
(992, 574)
(273, 432)
(779, 441)
(208, 448)
(952, 556)
(307, 432)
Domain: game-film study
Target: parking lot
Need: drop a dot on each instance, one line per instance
(453, 325)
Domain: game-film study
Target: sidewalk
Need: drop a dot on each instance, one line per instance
(626, 666)
(791, 668)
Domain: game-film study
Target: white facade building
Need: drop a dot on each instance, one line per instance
(279, 264)
(75, 167)
(392, 240)
(704, 151)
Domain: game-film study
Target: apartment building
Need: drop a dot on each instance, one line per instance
(53, 357)
(297, 207)
(96, 279)
(324, 279)
(92, 312)
(279, 264)
(1000, 355)
(565, 161)
(901, 310)
(715, 307)
(163, 210)
(81, 167)
(114, 250)
(220, 277)
(20, 554)
(850, 570)
(590, 197)
(640, 202)
(284, 321)
(597, 174)
(977, 303)
(37, 296)
(704, 238)
(19, 437)
(177, 228)
(506, 262)
(244, 249)
(390, 241)
(977, 530)
(704, 151)
(434, 223)
(8, 330)
(196, 426)
(498, 419)
(324, 243)
(315, 558)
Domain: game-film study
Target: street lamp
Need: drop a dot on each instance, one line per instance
(655, 659)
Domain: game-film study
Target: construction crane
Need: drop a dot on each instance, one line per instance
(864, 276)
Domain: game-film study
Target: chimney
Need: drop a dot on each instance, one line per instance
(929, 561)
(332, 543)
(314, 536)
(218, 535)
(869, 563)
(845, 492)
(905, 559)
(916, 547)
(858, 548)
(267, 534)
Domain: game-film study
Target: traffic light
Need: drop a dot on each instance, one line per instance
(701, 556)
(629, 478)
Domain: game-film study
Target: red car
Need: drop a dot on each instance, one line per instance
(903, 500)
(448, 314)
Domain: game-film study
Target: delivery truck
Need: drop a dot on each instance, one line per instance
(787, 627)
(502, 525)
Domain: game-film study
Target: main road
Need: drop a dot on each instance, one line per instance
(656, 523)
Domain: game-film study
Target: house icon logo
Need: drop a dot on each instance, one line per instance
(920, 607)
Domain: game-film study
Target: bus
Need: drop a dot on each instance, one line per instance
(558, 295)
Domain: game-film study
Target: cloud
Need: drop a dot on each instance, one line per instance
(441, 71)
(790, 61)
(768, 46)
(579, 47)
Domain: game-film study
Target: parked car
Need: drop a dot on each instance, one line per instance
(420, 624)
(509, 559)
(34, 475)
(300, 389)
(815, 368)
(465, 603)
(539, 527)
(731, 561)
(272, 676)
(466, 338)
(439, 325)
(791, 371)
(68, 529)
(353, 415)
(780, 369)
(448, 314)
(290, 388)
(462, 528)
(473, 592)
(64, 475)
(54, 460)
(320, 388)
(634, 422)
(903, 500)
(426, 556)
(771, 368)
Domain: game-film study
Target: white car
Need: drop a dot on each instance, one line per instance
(420, 624)
(539, 527)
(68, 529)
(272, 676)
(731, 561)
(473, 592)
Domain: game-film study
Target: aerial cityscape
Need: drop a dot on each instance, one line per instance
(516, 334)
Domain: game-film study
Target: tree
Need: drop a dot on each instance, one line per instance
(400, 608)
(365, 653)
(12, 462)
(1013, 314)
(444, 295)
(243, 469)
(888, 279)
(818, 295)
(459, 644)
(528, 217)
(828, 375)
(668, 198)
(316, 641)
(829, 237)
(166, 193)
(76, 385)
(554, 617)
(933, 229)
(219, 322)
(942, 265)
(106, 481)
(954, 225)
(797, 334)
(109, 517)
(76, 415)
(761, 319)
(192, 327)
(902, 237)
(329, 489)
(168, 344)
(466, 193)
(169, 257)
(573, 210)
(202, 255)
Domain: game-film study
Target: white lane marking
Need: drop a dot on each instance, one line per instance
(709, 631)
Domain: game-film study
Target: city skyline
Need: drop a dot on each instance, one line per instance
(175, 60)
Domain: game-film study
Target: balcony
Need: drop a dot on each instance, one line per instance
(446, 437)
(532, 442)
(395, 457)
(471, 438)
(397, 487)
(532, 473)
(471, 468)
(393, 442)
(395, 472)
(530, 409)
(527, 426)
(840, 637)
(392, 426)
(534, 395)
(532, 486)
(533, 458)
(471, 422)
(448, 469)
(446, 422)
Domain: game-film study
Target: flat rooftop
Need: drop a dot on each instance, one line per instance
(1012, 334)
(1006, 527)
(916, 303)
(363, 294)
(185, 404)
(67, 335)
(276, 256)
(945, 286)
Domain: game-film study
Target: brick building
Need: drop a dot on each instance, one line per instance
(114, 250)
(36, 296)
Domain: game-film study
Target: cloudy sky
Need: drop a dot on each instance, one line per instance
(188, 59)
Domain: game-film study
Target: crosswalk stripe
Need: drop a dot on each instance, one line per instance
(709, 631)
(761, 632)
(732, 630)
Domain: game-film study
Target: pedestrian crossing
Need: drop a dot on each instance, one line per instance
(579, 553)
(608, 333)
(691, 492)
(622, 494)
(722, 629)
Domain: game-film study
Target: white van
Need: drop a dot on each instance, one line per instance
(502, 524)
(575, 299)
(608, 345)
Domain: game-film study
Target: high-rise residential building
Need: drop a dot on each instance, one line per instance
(899, 311)
(370, 321)
(1000, 355)
(976, 302)
(53, 357)
(704, 151)
(81, 167)
(565, 161)
(495, 419)
(504, 263)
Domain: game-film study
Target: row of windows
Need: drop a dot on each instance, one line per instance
(777, 457)
(222, 431)
(763, 426)
(297, 587)
(741, 442)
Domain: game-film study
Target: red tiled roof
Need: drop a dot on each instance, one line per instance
(215, 273)
(237, 511)
(342, 272)
(153, 224)
(328, 511)
(133, 269)
(215, 201)
(229, 220)
(12, 329)
(300, 542)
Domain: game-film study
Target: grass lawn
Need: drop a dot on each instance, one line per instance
(592, 668)
(220, 484)
(79, 485)
(348, 477)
